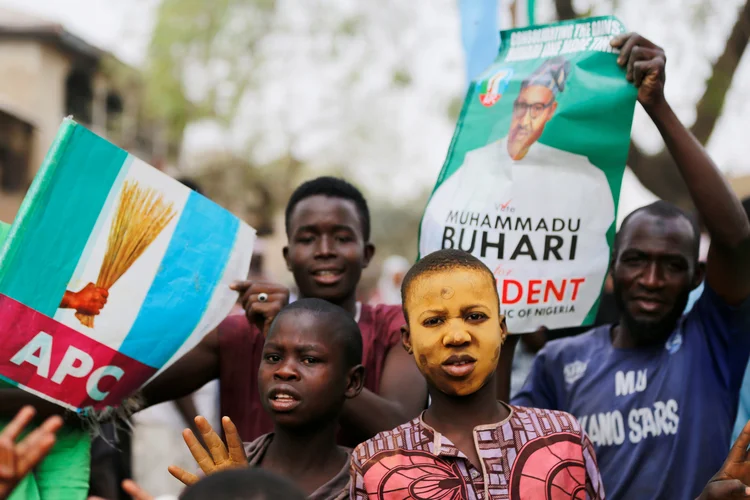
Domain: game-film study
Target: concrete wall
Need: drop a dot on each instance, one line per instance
(32, 89)
(50, 102)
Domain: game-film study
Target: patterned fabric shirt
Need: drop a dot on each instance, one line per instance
(532, 454)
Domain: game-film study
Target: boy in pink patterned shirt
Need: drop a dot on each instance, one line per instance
(468, 445)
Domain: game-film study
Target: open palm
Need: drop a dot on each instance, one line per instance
(18, 458)
(218, 456)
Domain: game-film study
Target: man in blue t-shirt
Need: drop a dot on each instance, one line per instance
(657, 392)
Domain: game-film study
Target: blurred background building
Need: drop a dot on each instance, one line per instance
(49, 73)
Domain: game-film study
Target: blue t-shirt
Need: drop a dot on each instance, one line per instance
(659, 418)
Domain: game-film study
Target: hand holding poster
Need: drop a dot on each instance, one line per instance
(532, 178)
(111, 271)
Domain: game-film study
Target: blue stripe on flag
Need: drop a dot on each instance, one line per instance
(479, 34)
(192, 266)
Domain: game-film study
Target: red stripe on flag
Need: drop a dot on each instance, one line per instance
(62, 363)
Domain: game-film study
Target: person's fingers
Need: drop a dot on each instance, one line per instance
(625, 48)
(646, 68)
(234, 441)
(628, 43)
(271, 291)
(636, 55)
(269, 288)
(728, 488)
(619, 40)
(52, 424)
(16, 426)
(215, 445)
(738, 452)
(135, 491)
(263, 310)
(21, 457)
(278, 297)
(638, 73)
(32, 450)
(7, 459)
(201, 456)
(185, 477)
(262, 314)
(241, 286)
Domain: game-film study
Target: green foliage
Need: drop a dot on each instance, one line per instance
(210, 45)
(401, 78)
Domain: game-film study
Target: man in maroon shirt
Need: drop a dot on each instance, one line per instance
(328, 228)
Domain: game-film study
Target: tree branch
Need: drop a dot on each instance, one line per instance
(658, 173)
(565, 9)
(711, 104)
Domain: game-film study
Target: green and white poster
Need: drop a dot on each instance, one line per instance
(533, 174)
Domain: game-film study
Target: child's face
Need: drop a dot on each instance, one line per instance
(455, 329)
(302, 378)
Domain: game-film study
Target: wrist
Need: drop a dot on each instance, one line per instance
(658, 108)
(68, 300)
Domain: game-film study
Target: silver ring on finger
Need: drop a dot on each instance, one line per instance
(263, 297)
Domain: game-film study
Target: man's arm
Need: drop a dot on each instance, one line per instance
(728, 265)
(12, 400)
(188, 374)
(403, 395)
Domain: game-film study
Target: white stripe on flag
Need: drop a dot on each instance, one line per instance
(223, 299)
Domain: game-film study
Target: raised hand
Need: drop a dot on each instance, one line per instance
(733, 478)
(17, 459)
(218, 456)
(645, 62)
(261, 312)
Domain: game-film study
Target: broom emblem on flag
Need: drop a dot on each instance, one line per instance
(142, 214)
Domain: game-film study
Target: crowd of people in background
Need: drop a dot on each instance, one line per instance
(415, 396)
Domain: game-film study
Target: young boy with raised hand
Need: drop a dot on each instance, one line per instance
(311, 364)
(467, 444)
(328, 228)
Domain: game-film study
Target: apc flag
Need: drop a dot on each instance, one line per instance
(111, 271)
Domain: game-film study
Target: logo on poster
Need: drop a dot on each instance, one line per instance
(492, 89)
